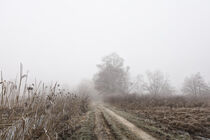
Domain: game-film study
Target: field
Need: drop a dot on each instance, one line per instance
(43, 112)
(38, 111)
(184, 118)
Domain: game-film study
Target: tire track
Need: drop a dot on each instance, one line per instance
(142, 135)
(102, 130)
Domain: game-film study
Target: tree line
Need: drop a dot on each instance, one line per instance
(113, 78)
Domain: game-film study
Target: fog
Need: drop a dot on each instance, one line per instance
(64, 40)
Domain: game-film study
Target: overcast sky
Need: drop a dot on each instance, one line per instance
(63, 40)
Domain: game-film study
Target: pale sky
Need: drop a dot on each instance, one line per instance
(63, 40)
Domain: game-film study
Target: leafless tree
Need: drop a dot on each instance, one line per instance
(137, 85)
(157, 84)
(112, 77)
(195, 85)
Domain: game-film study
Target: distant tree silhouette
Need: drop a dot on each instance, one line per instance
(157, 84)
(112, 77)
(195, 85)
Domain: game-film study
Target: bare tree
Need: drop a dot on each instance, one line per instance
(195, 85)
(137, 85)
(157, 84)
(112, 76)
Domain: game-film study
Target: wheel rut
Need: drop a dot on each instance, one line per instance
(139, 133)
(102, 130)
(111, 126)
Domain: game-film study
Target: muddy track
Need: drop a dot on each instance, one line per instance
(102, 129)
(111, 126)
(139, 133)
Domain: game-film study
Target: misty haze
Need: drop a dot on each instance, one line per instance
(104, 70)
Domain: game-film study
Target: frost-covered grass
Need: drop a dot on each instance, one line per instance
(37, 111)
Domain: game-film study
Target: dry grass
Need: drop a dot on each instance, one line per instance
(37, 111)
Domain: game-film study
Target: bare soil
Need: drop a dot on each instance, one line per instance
(111, 126)
(195, 121)
(137, 131)
(102, 129)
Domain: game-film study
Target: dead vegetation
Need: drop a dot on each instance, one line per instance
(176, 115)
(38, 111)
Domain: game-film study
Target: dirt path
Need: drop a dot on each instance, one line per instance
(137, 131)
(110, 126)
(101, 129)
